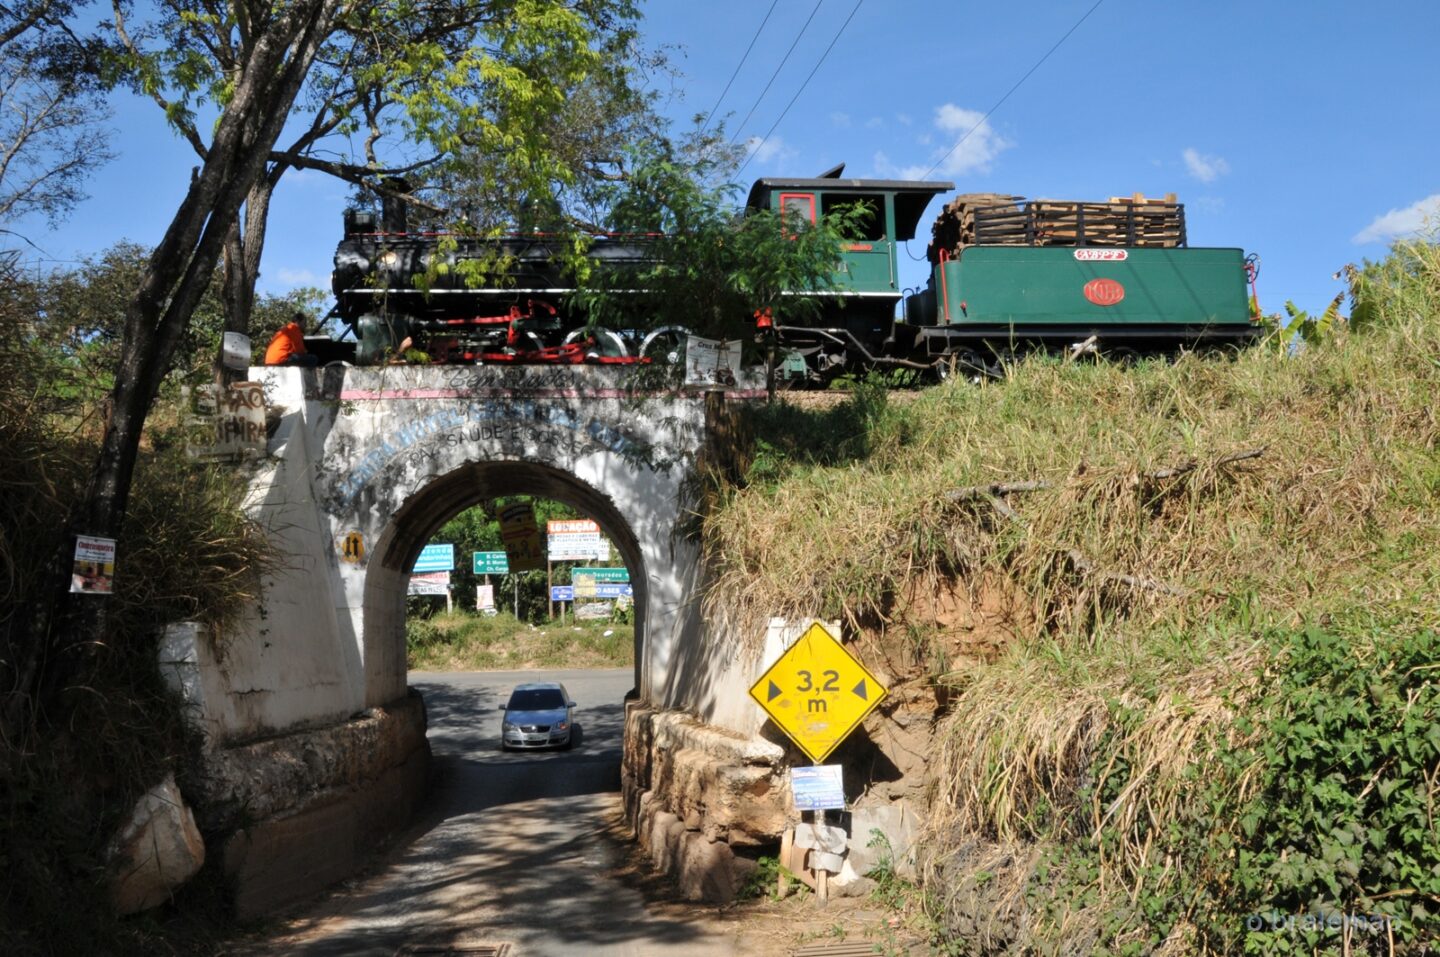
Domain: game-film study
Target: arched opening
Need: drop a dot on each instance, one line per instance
(428, 508)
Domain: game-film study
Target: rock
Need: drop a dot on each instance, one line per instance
(158, 849)
(847, 883)
(898, 825)
(706, 871)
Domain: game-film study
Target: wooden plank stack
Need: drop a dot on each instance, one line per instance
(989, 219)
(1002, 220)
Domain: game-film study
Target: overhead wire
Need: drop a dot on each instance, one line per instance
(783, 60)
(711, 115)
(813, 71)
(1001, 101)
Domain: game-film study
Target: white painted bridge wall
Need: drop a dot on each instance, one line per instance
(393, 452)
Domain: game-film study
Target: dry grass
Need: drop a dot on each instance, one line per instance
(1140, 594)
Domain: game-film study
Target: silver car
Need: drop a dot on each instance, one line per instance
(539, 714)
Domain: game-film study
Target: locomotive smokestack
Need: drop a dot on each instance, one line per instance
(393, 207)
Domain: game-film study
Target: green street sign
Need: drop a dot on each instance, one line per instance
(491, 563)
(600, 574)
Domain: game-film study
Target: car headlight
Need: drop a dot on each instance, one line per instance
(560, 726)
(507, 726)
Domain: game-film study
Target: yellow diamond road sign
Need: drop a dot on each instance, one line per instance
(817, 693)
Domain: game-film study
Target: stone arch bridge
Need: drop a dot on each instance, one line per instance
(314, 742)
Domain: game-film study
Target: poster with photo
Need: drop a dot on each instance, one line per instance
(94, 569)
(711, 364)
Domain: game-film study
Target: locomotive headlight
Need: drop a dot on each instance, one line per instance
(389, 258)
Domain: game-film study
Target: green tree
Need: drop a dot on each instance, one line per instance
(714, 267)
(52, 111)
(442, 73)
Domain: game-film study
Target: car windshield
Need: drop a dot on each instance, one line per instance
(537, 699)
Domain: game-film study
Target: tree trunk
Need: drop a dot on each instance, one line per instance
(155, 319)
(244, 243)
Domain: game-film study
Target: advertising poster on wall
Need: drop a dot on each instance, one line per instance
(710, 363)
(94, 569)
(521, 538)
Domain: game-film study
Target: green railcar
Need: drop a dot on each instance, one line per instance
(999, 299)
(1011, 276)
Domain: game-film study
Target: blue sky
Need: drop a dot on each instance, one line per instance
(1308, 133)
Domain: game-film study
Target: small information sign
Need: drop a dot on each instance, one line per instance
(818, 788)
(711, 364)
(562, 593)
(429, 583)
(94, 569)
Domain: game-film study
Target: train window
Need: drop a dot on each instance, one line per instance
(869, 224)
(798, 204)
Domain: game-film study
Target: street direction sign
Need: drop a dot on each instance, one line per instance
(434, 558)
(601, 574)
(817, 693)
(562, 593)
(490, 563)
(590, 588)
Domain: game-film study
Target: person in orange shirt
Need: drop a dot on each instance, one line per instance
(287, 348)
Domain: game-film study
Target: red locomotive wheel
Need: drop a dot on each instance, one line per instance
(1104, 292)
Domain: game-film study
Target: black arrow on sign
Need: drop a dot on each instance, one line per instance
(860, 690)
(773, 692)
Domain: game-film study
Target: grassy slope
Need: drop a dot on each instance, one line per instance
(467, 642)
(1149, 665)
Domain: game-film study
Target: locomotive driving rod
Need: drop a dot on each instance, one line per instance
(839, 337)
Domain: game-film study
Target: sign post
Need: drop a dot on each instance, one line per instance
(817, 693)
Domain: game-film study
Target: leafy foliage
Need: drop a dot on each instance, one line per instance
(52, 111)
(712, 270)
(1347, 752)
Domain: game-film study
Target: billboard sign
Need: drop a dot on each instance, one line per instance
(434, 558)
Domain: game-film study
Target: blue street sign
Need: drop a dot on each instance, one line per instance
(435, 558)
(562, 593)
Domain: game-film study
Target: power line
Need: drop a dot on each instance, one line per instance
(711, 115)
(813, 71)
(1012, 89)
(783, 60)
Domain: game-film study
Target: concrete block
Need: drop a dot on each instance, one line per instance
(898, 825)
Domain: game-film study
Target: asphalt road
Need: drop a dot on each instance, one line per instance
(510, 849)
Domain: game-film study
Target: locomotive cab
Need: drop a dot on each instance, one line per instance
(858, 316)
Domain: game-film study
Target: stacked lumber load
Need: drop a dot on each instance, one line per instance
(1001, 221)
(1135, 221)
(991, 219)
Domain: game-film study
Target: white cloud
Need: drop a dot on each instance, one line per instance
(841, 120)
(978, 146)
(874, 123)
(903, 119)
(766, 150)
(297, 277)
(1418, 216)
(1204, 168)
